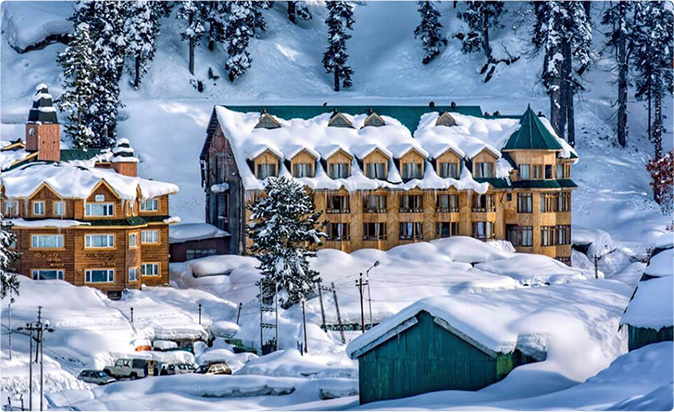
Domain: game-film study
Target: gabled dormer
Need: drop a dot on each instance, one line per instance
(375, 164)
(303, 163)
(339, 120)
(374, 120)
(411, 164)
(445, 119)
(448, 164)
(338, 164)
(484, 164)
(267, 121)
(265, 164)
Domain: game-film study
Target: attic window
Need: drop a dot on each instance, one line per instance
(445, 119)
(374, 120)
(267, 121)
(339, 120)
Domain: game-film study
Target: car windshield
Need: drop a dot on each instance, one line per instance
(101, 374)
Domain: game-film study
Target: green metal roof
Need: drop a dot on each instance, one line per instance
(536, 184)
(68, 155)
(495, 182)
(567, 183)
(408, 115)
(129, 221)
(532, 135)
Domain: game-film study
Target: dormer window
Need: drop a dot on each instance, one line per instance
(412, 171)
(265, 170)
(338, 170)
(448, 169)
(303, 170)
(483, 169)
(339, 120)
(375, 170)
(267, 121)
(445, 119)
(374, 120)
(525, 172)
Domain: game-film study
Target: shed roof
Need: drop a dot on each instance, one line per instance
(652, 305)
(532, 134)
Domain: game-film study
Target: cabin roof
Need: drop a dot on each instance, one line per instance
(532, 134)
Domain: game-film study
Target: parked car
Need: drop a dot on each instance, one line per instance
(133, 368)
(98, 377)
(215, 368)
(177, 368)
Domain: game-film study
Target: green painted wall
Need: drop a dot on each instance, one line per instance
(638, 337)
(427, 358)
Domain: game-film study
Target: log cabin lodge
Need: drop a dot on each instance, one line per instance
(83, 216)
(391, 175)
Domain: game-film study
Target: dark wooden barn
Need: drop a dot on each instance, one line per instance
(196, 240)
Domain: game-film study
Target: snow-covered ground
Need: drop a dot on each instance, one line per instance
(166, 121)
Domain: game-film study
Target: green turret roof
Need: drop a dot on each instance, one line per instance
(532, 134)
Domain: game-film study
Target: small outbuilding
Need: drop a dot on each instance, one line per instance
(196, 240)
(424, 348)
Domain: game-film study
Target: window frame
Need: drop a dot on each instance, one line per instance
(55, 208)
(109, 207)
(134, 244)
(110, 275)
(135, 274)
(372, 170)
(381, 206)
(525, 202)
(143, 240)
(35, 203)
(88, 240)
(60, 273)
(417, 229)
(271, 170)
(377, 227)
(11, 207)
(154, 208)
(343, 231)
(143, 273)
(302, 170)
(522, 168)
(33, 236)
(334, 169)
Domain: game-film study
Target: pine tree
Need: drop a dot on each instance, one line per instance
(620, 16)
(214, 13)
(480, 17)
(653, 62)
(9, 283)
(284, 232)
(340, 18)
(194, 28)
(162, 8)
(429, 29)
(80, 74)
(141, 28)
(298, 10)
(241, 24)
(259, 23)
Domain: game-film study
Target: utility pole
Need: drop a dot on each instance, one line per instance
(360, 284)
(320, 297)
(261, 320)
(238, 314)
(369, 296)
(304, 326)
(276, 310)
(339, 317)
(596, 266)
(30, 367)
(9, 314)
(131, 314)
(40, 347)
(200, 314)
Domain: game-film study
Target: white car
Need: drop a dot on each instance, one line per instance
(95, 376)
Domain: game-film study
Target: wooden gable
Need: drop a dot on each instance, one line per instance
(445, 119)
(374, 120)
(339, 120)
(267, 121)
(340, 156)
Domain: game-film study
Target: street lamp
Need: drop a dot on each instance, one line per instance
(369, 300)
(9, 314)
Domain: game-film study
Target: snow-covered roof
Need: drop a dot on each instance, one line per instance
(78, 182)
(56, 223)
(652, 305)
(186, 232)
(471, 136)
(665, 241)
(661, 264)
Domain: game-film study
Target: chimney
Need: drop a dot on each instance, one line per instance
(43, 131)
(123, 159)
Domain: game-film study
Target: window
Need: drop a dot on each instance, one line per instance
(525, 203)
(564, 201)
(548, 201)
(38, 208)
(99, 241)
(374, 231)
(133, 240)
(411, 204)
(99, 209)
(338, 231)
(302, 170)
(446, 229)
(538, 171)
(563, 235)
(59, 208)
(265, 170)
(449, 170)
(484, 169)
(548, 171)
(133, 274)
(482, 230)
(47, 241)
(520, 235)
(547, 235)
(11, 208)
(559, 172)
(374, 204)
(149, 236)
(524, 172)
(338, 204)
(338, 170)
(567, 171)
(483, 203)
(149, 205)
(199, 253)
(412, 171)
(375, 170)
(447, 203)
(47, 274)
(149, 269)
(99, 275)
(411, 230)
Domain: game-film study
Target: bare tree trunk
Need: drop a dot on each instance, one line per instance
(553, 91)
(191, 64)
(136, 80)
(211, 42)
(566, 92)
(622, 78)
(292, 12)
(587, 5)
(571, 122)
(485, 34)
(336, 80)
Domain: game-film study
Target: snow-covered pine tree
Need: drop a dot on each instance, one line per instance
(480, 16)
(619, 16)
(9, 282)
(340, 19)
(258, 6)
(194, 28)
(140, 29)
(653, 62)
(284, 231)
(298, 10)
(80, 88)
(214, 14)
(162, 8)
(240, 28)
(429, 30)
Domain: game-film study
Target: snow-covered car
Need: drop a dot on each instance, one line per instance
(133, 368)
(98, 377)
(177, 369)
(215, 368)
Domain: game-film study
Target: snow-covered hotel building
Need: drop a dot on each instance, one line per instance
(390, 175)
(83, 216)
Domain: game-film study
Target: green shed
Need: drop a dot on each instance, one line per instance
(650, 314)
(410, 355)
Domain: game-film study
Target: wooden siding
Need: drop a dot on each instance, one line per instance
(640, 337)
(426, 358)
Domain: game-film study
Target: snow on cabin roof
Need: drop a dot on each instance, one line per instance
(665, 241)
(186, 232)
(71, 181)
(661, 264)
(652, 305)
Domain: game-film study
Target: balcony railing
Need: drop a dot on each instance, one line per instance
(484, 209)
(337, 211)
(339, 238)
(368, 210)
(411, 210)
(446, 209)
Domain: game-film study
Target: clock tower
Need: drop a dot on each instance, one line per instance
(43, 131)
